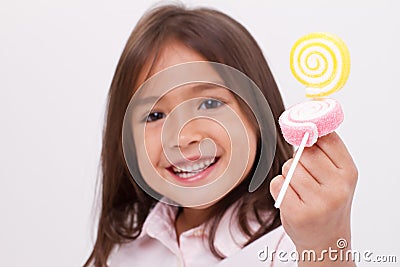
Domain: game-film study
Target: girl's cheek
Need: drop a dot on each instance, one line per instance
(153, 146)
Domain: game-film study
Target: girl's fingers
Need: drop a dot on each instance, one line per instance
(291, 201)
(335, 150)
(318, 164)
(303, 183)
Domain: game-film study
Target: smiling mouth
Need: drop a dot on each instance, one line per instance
(193, 172)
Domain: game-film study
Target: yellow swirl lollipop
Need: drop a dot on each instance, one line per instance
(320, 61)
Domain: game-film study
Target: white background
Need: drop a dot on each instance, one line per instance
(57, 59)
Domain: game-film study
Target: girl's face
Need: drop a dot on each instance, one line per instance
(200, 161)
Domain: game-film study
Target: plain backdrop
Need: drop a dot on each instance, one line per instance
(57, 59)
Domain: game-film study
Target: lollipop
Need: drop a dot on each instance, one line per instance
(320, 61)
(317, 118)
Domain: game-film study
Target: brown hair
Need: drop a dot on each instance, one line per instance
(219, 38)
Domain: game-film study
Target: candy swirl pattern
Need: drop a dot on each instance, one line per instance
(318, 117)
(320, 61)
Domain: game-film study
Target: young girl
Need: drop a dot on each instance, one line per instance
(234, 227)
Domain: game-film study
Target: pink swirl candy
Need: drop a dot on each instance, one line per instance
(318, 117)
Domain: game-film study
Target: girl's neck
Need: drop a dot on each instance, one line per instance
(188, 218)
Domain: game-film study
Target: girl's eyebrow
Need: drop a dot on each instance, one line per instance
(208, 86)
(198, 87)
(147, 100)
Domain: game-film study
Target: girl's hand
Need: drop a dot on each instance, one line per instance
(315, 211)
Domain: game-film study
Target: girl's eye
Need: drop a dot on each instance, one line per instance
(153, 116)
(207, 104)
(210, 103)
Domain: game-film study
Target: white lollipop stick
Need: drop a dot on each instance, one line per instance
(291, 171)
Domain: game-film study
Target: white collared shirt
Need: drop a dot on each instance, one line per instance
(157, 245)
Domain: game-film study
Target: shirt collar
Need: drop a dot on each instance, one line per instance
(229, 239)
(160, 219)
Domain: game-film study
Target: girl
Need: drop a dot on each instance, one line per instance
(136, 229)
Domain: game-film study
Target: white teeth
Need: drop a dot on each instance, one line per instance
(190, 170)
(185, 174)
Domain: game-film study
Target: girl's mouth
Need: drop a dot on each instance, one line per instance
(193, 172)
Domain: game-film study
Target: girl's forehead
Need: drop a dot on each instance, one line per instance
(169, 54)
(188, 91)
(184, 78)
(173, 53)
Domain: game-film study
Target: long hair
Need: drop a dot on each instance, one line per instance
(219, 38)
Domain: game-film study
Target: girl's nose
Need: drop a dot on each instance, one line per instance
(180, 134)
(182, 128)
(189, 135)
